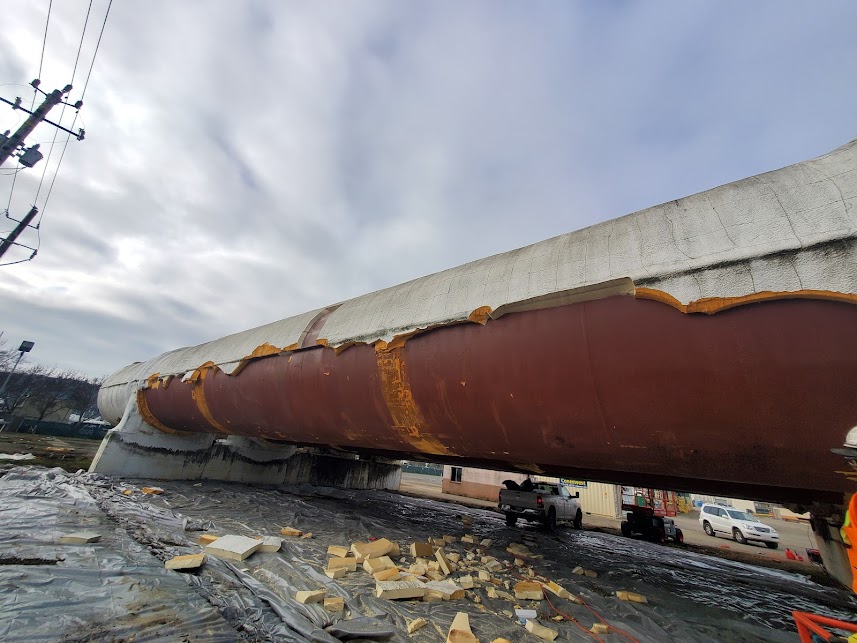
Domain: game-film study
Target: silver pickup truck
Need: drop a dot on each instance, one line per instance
(547, 503)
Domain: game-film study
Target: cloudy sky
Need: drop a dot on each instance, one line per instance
(247, 161)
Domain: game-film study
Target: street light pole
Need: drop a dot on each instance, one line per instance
(25, 347)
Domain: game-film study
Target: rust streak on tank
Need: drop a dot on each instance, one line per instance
(407, 418)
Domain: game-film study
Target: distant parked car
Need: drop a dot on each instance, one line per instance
(741, 526)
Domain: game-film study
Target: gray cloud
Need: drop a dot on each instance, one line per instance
(246, 161)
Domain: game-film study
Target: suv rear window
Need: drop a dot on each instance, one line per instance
(710, 510)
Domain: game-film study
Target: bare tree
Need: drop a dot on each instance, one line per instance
(83, 397)
(22, 384)
(49, 392)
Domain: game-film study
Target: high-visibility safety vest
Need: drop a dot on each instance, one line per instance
(848, 531)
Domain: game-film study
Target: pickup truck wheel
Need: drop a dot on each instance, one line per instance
(626, 529)
(679, 537)
(511, 519)
(578, 520)
(550, 523)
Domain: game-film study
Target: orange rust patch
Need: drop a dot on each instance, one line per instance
(407, 418)
(148, 417)
(153, 381)
(713, 305)
(480, 315)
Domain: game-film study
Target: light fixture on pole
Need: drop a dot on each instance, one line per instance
(25, 347)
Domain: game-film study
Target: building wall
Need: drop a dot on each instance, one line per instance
(599, 499)
(596, 498)
(477, 483)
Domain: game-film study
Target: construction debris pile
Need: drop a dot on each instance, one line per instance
(220, 562)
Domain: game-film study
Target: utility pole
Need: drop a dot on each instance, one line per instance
(9, 241)
(8, 146)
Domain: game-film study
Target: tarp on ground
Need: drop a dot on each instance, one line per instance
(118, 589)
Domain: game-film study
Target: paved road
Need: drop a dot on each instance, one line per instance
(795, 536)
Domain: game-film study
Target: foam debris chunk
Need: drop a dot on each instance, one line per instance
(416, 624)
(466, 581)
(80, 538)
(419, 549)
(339, 572)
(468, 539)
(189, 561)
(459, 631)
(345, 563)
(155, 491)
(557, 590)
(373, 549)
(442, 561)
(599, 628)
(396, 590)
(445, 590)
(339, 552)
(526, 591)
(311, 596)
(391, 573)
(206, 539)
(271, 543)
(486, 542)
(631, 596)
(373, 565)
(290, 531)
(233, 547)
(334, 604)
(307, 535)
(541, 631)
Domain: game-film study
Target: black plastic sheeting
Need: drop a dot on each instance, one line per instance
(117, 589)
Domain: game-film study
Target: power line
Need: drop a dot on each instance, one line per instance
(62, 113)
(85, 85)
(80, 46)
(42, 57)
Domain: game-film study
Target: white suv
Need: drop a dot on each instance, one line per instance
(741, 526)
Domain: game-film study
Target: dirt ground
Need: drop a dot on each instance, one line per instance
(70, 454)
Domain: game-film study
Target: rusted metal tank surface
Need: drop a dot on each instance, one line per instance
(747, 401)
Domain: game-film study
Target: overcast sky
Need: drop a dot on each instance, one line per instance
(247, 161)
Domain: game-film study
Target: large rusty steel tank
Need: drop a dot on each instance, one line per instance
(707, 344)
